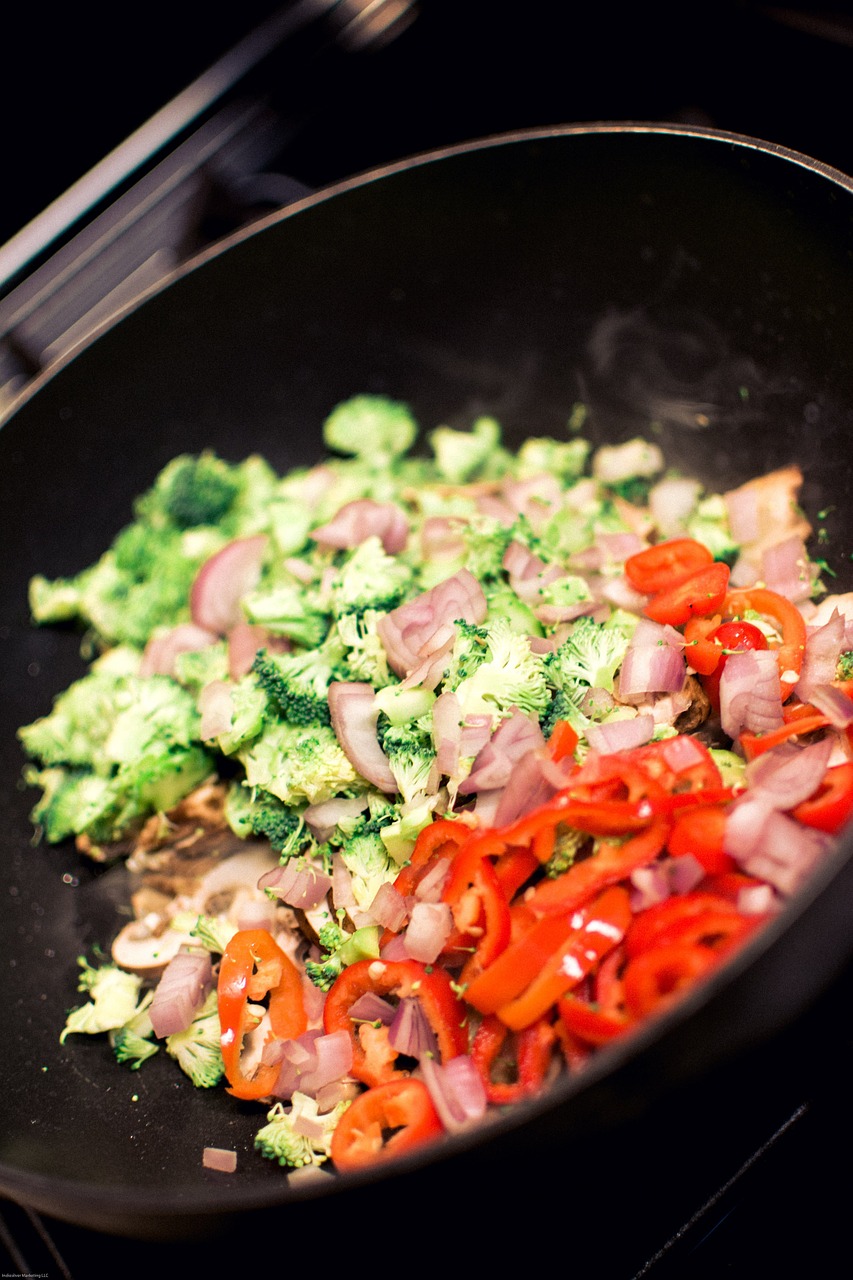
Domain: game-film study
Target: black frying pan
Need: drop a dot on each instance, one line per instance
(684, 278)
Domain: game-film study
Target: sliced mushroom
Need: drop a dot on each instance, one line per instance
(141, 950)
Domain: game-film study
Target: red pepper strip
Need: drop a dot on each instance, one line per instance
(649, 928)
(603, 927)
(730, 884)
(755, 744)
(666, 564)
(480, 911)
(562, 741)
(361, 1135)
(252, 964)
(608, 865)
(590, 1023)
(517, 966)
(784, 613)
(514, 868)
(831, 806)
(699, 832)
(532, 1052)
(701, 651)
(656, 977)
(444, 1012)
(701, 594)
(441, 838)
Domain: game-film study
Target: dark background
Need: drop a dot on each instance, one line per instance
(77, 79)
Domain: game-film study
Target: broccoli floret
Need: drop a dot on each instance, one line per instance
(565, 705)
(497, 670)
(709, 524)
(565, 459)
(298, 683)
(364, 854)
(282, 1141)
(589, 658)
(566, 848)
(368, 578)
(197, 1049)
(197, 667)
(133, 1043)
(411, 754)
(249, 707)
(340, 949)
(486, 541)
(619, 464)
(211, 932)
(364, 657)
(462, 455)
(300, 765)
(371, 427)
(845, 665)
(283, 827)
(116, 749)
(287, 610)
(113, 996)
(197, 490)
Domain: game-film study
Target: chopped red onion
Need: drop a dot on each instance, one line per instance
(651, 665)
(322, 818)
(373, 1008)
(352, 706)
(528, 787)
(222, 582)
(787, 775)
(405, 630)
(824, 645)
(834, 704)
(244, 641)
(388, 907)
(785, 568)
(297, 883)
(621, 735)
(429, 927)
(750, 693)
(430, 887)
(312, 1061)
(343, 895)
(457, 1090)
(514, 737)
(220, 1159)
(181, 991)
(773, 847)
(410, 1032)
(160, 652)
(361, 519)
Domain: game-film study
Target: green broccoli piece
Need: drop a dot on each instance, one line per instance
(709, 524)
(588, 658)
(368, 578)
(371, 427)
(364, 653)
(298, 683)
(565, 459)
(565, 705)
(300, 765)
(486, 540)
(197, 1050)
(495, 669)
(113, 1000)
(287, 610)
(249, 707)
(566, 848)
(411, 754)
(280, 1140)
(364, 854)
(845, 665)
(133, 1043)
(462, 455)
(283, 827)
(200, 490)
(197, 667)
(340, 949)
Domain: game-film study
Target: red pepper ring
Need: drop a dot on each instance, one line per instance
(532, 1050)
(655, 978)
(253, 964)
(480, 910)
(608, 865)
(444, 1011)
(831, 806)
(385, 1122)
(589, 1023)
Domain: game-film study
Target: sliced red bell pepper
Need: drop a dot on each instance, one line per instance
(441, 838)
(698, 916)
(480, 910)
(563, 740)
(699, 832)
(701, 652)
(608, 865)
(654, 978)
(374, 1062)
(532, 1051)
(699, 595)
(385, 1121)
(831, 806)
(666, 564)
(517, 966)
(590, 1023)
(601, 927)
(252, 965)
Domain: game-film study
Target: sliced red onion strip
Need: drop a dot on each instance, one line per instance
(824, 646)
(457, 1091)
(321, 819)
(621, 735)
(373, 1008)
(297, 883)
(405, 630)
(772, 846)
(516, 734)
(181, 991)
(429, 927)
(834, 704)
(361, 519)
(388, 908)
(787, 775)
(354, 714)
(750, 693)
(222, 582)
(161, 651)
(410, 1032)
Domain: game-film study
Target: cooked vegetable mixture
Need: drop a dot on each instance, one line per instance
(436, 771)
